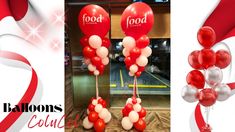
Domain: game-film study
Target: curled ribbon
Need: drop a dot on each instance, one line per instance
(14, 8)
(9, 120)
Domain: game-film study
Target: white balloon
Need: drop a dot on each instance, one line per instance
(129, 100)
(95, 41)
(126, 123)
(94, 102)
(104, 112)
(87, 61)
(213, 76)
(96, 72)
(147, 51)
(131, 74)
(137, 107)
(133, 68)
(128, 42)
(102, 52)
(91, 68)
(87, 124)
(142, 61)
(125, 52)
(134, 116)
(108, 117)
(189, 93)
(138, 100)
(223, 92)
(98, 108)
(105, 61)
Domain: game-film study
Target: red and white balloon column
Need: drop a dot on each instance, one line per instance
(211, 63)
(137, 20)
(94, 22)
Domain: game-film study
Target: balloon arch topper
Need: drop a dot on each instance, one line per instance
(94, 22)
(212, 63)
(136, 21)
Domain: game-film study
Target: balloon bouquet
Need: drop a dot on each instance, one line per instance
(212, 63)
(95, 23)
(137, 20)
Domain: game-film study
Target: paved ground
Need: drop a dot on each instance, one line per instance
(148, 83)
(157, 120)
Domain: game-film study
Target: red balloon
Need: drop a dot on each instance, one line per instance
(137, 19)
(135, 53)
(140, 125)
(124, 112)
(206, 36)
(100, 68)
(88, 52)
(134, 101)
(93, 116)
(84, 41)
(193, 60)
(99, 125)
(91, 72)
(142, 42)
(207, 58)
(102, 102)
(128, 61)
(141, 68)
(196, 79)
(138, 73)
(91, 107)
(207, 97)
(94, 20)
(96, 61)
(223, 58)
(106, 42)
(142, 113)
(129, 107)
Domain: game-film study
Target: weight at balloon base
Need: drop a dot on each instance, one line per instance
(133, 115)
(97, 115)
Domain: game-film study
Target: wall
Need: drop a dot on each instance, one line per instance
(161, 27)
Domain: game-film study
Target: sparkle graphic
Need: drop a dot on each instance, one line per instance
(55, 45)
(33, 31)
(58, 18)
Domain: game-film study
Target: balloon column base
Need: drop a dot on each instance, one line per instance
(206, 128)
(133, 115)
(97, 115)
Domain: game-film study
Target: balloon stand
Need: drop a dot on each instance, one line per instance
(94, 22)
(206, 87)
(97, 113)
(133, 113)
(137, 20)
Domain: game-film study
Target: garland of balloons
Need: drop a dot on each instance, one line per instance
(212, 63)
(95, 23)
(137, 20)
